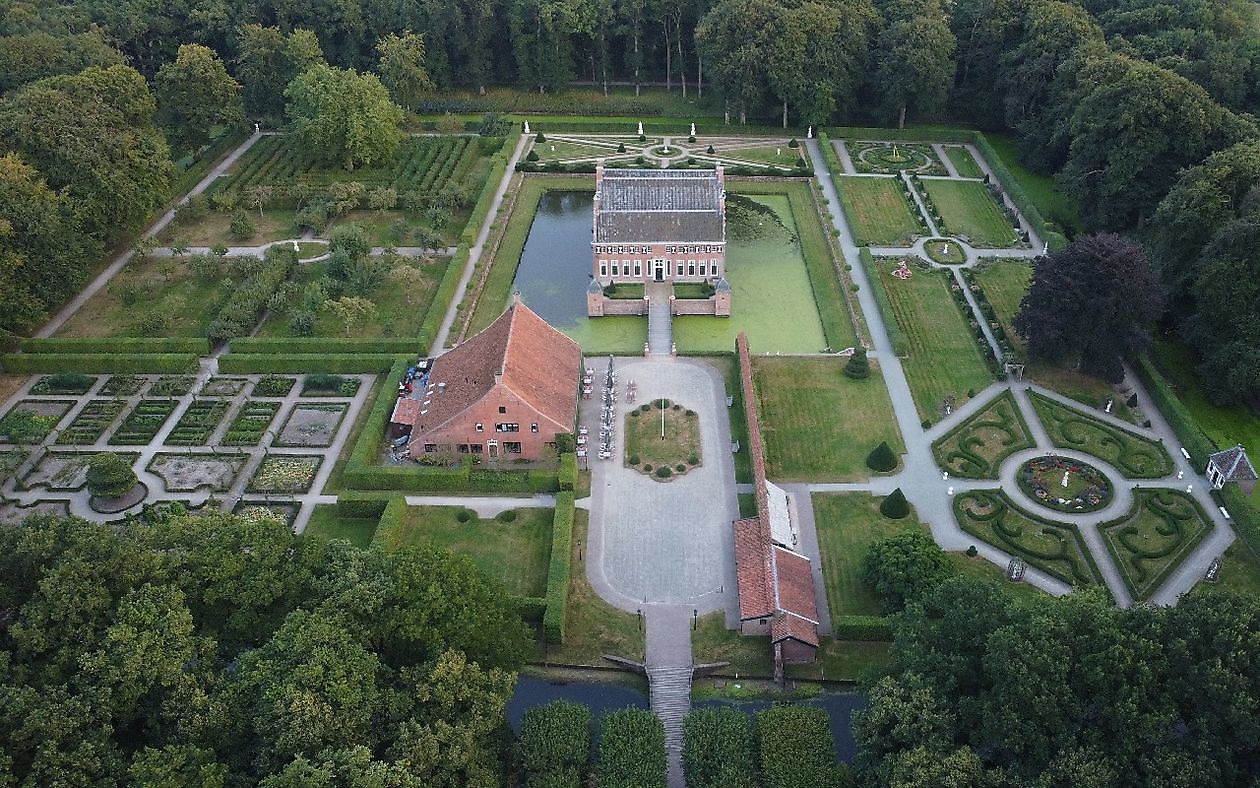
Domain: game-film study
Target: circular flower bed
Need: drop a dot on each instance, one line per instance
(1087, 488)
(944, 251)
(893, 158)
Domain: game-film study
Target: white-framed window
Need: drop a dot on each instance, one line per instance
(638, 268)
(637, 263)
(480, 427)
(616, 270)
(533, 427)
(703, 269)
(603, 268)
(691, 268)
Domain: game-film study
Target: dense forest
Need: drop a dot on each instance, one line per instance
(1116, 99)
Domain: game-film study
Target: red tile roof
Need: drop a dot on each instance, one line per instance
(519, 349)
(786, 625)
(405, 411)
(795, 584)
(753, 569)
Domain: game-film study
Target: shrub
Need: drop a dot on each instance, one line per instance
(647, 466)
(972, 552)
(241, 226)
(555, 738)
(664, 472)
(507, 516)
(565, 442)
(464, 515)
(531, 156)
(693, 460)
(858, 366)
(621, 147)
(631, 750)
(109, 476)
(680, 467)
(709, 150)
(881, 459)
(540, 137)
(904, 567)
(558, 569)
(796, 747)
(322, 381)
(64, 383)
(895, 506)
(792, 143)
(718, 749)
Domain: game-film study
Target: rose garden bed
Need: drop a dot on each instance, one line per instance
(1087, 490)
(188, 472)
(310, 425)
(285, 473)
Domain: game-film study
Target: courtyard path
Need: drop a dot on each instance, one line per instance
(261, 249)
(484, 507)
(475, 251)
(670, 671)
(117, 264)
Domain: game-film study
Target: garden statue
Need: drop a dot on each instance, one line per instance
(693, 129)
(1065, 478)
(295, 245)
(255, 128)
(640, 128)
(809, 133)
(527, 128)
(1045, 248)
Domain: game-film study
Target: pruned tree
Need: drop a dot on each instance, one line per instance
(350, 310)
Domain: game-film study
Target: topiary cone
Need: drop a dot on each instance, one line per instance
(858, 367)
(894, 507)
(881, 459)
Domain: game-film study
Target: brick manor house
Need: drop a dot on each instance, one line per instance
(506, 392)
(658, 226)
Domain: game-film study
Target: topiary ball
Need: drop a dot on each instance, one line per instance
(506, 516)
(463, 515)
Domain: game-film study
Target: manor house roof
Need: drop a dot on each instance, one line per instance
(661, 206)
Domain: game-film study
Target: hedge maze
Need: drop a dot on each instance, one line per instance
(1137, 457)
(976, 448)
(1057, 550)
(1149, 542)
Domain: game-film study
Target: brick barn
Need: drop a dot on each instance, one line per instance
(506, 392)
(659, 226)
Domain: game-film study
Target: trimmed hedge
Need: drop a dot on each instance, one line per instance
(719, 749)
(1245, 514)
(354, 504)
(911, 134)
(1048, 231)
(297, 363)
(531, 608)
(178, 363)
(109, 345)
(558, 569)
(443, 296)
(796, 747)
(373, 433)
(419, 478)
(388, 528)
(568, 475)
(901, 345)
(1178, 415)
(555, 744)
(865, 628)
(631, 749)
(325, 345)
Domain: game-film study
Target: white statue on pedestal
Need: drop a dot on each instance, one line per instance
(255, 128)
(809, 133)
(693, 129)
(640, 128)
(527, 127)
(1065, 478)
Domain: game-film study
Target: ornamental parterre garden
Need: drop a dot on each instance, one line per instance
(276, 394)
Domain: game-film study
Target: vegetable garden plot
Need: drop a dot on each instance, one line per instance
(285, 473)
(311, 425)
(144, 422)
(91, 423)
(251, 421)
(197, 424)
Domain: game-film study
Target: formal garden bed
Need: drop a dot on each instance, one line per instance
(889, 157)
(172, 386)
(963, 161)
(1136, 456)
(198, 422)
(944, 251)
(310, 425)
(819, 425)
(945, 365)
(285, 473)
(64, 471)
(30, 420)
(325, 385)
(1152, 540)
(63, 383)
(123, 385)
(976, 448)
(969, 212)
(250, 423)
(1065, 484)
(224, 387)
(1056, 549)
(513, 546)
(189, 472)
(13, 513)
(880, 211)
(274, 386)
(91, 422)
(662, 439)
(267, 510)
(143, 422)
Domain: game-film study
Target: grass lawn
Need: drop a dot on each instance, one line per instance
(963, 161)
(1057, 550)
(1039, 188)
(848, 524)
(169, 301)
(1152, 540)
(944, 359)
(818, 424)
(1136, 456)
(842, 660)
(648, 451)
(1227, 425)
(969, 210)
(516, 553)
(777, 155)
(557, 150)
(1004, 283)
(326, 523)
(979, 569)
(1240, 571)
(399, 310)
(592, 626)
(273, 225)
(877, 210)
(976, 448)
(713, 642)
(727, 365)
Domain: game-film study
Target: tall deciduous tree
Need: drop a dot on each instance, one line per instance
(1093, 299)
(344, 116)
(1225, 325)
(27, 58)
(733, 39)
(915, 58)
(402, 65)
(92, 135)
(195, 93)
(819, 57)
(268, 60)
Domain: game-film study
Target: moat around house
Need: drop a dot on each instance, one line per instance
(773, 301)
